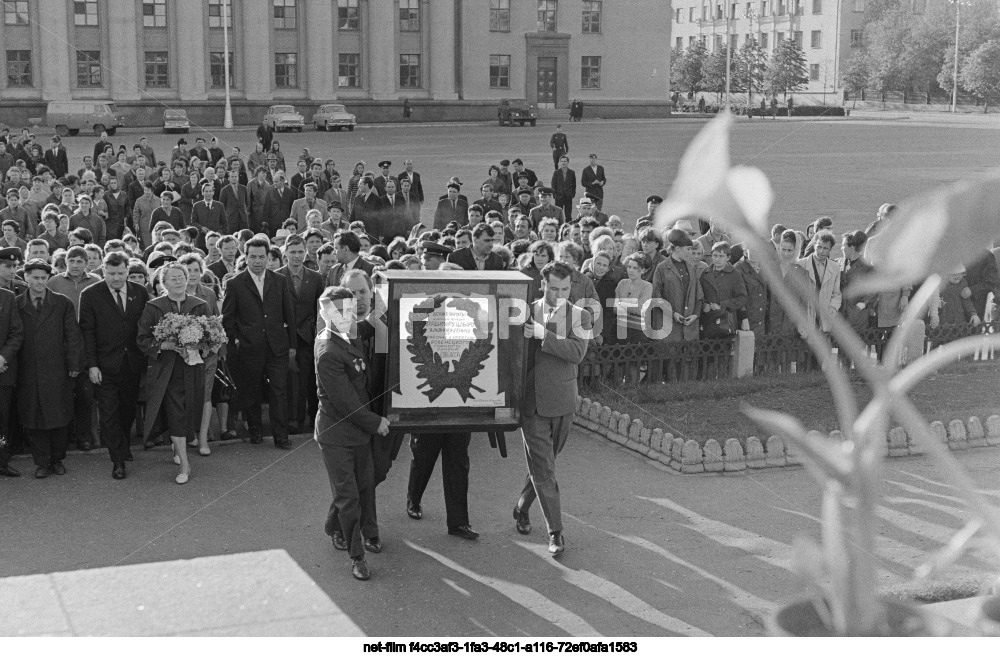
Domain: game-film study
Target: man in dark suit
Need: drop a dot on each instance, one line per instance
(109, 319)
(235, 198)
(368, 207)
(479, 256)
(208, 215)
(229, 248)
(564, 186)
(520, 171)
(593, 180)
(451, 208)
(305, 286)
(393, 209)
(344, 428)
(411, 205)
(557, 345)
(55, 158)
(277, 204)
(11, 336)
(259, 317)
(416, 188)
(347, 251)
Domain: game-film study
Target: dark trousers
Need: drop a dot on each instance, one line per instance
(302, 400)
(48, 446)
(82, 428)
(567, 206)
(257, 372)
(6, 398)
(383, 452)
(349, 469)
(117, 396)
(556, 154)
(454, 451)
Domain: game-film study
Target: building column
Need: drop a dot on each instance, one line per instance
(258, 60)
(54, 47)
(191, 44)
(442, 53)
(381, 28)
(320, 23)
(124, 56)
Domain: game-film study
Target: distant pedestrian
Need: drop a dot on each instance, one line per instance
(407, 110)
(774, 108)
(701, 105)
(559, 145)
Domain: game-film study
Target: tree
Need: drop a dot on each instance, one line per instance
(787, 69)
(752, 67)
(686, 68)
(980, 72)
(713, 71)
(855, 74)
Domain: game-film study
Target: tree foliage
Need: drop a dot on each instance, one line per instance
(980, 72)
(787, 69)
(686, 68)
(752, 65)
(855, 75)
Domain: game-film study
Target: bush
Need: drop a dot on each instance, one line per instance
(814, 110)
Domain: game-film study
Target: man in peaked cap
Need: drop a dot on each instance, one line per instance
(652, 202)
(380, 180)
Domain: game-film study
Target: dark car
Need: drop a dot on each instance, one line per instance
(516, 111)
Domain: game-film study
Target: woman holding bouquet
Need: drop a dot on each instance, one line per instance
(176, 376)
(196, 269)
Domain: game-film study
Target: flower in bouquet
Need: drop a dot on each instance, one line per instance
(169, 327)
(214, 335)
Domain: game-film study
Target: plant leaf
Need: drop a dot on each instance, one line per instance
(826, 459)
(935, 233)
(951, 552)
(707, 187)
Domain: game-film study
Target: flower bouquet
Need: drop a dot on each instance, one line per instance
(193, 334)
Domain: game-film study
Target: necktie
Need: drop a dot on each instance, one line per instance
(38, 304)
(454, 206)
(121, 300)
(311, 203)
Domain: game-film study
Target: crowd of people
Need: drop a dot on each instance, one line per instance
(93, 257)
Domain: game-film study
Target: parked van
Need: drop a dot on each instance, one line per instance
(68, 117)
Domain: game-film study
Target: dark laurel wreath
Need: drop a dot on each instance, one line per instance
(430, 368)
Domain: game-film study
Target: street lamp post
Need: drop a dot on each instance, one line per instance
(227, 121)
(954, 77)
(729, 55)
(752, 15)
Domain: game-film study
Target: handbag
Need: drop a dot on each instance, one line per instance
(715, 325)
(223, 388)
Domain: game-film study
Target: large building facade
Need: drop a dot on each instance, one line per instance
(828, 31)
(457, 57)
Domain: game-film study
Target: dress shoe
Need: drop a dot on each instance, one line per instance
(294, 429)
(373, 545)
(523, 524)
(228, 435)
(339, 543)
(359, 568)
(256, 438)
(118, 471)
(42, 472)
(557, 544)
(84, 446)
(465, 532)
(149, 444)
(413, 510)
(57, 468)
(284, 445)
(9, 472)
(128, 456)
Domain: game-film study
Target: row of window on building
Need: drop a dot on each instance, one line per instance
(285, 14)
(89, 70)
(763, 39)
(762, 8)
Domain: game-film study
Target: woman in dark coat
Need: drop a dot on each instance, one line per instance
(753, 316)
(725, 294)
(190, 194)
(47, 364)
(858, 310)
(174, 387)
(541, 254)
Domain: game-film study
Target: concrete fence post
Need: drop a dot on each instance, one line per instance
(743, 353)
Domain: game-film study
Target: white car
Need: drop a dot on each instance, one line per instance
(284, 117)
(334, 116)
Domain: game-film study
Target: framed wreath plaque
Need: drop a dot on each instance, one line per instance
(455, 361)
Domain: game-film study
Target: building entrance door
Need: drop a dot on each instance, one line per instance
(546, 82)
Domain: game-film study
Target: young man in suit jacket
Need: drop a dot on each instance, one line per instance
(416, 188)
(302, 206)
(564, 186)
(305, 286)
(593, 180)
(109, 319)
(451, 208)
(344, 428)
(479, 256)
(557, 344)
(277, 205)
(55, 158)
(235, 198)
(347, 250)
(259, 317)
